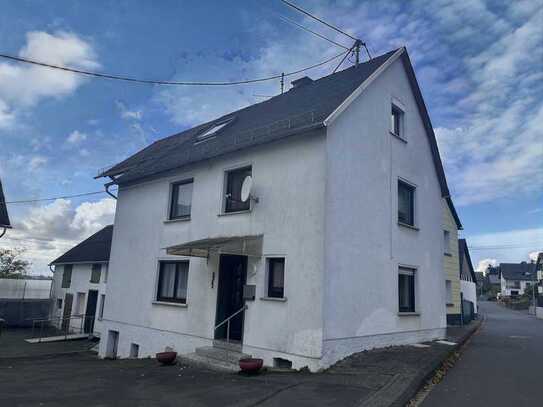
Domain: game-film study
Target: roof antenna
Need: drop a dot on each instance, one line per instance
(282, 82)
(356, 45)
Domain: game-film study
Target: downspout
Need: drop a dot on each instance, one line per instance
(108, 185)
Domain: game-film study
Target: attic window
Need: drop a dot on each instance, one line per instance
(216, 127)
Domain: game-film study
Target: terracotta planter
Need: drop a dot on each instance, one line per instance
(250, 365)
(166, 358)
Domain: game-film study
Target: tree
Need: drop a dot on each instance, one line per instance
(11, 264)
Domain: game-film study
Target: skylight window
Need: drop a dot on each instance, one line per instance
(214, 129)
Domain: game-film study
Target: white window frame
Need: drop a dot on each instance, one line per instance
(416, 291)
(415, 205)
(225, 172)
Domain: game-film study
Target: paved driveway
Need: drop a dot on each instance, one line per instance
(502, 366)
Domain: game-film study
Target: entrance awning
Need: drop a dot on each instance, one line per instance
(238, 245)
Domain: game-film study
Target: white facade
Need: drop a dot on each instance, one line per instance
(328, 205)
(512, 287)
(469, 292)
(79, 287)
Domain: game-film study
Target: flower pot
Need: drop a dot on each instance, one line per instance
(250, 365)
(166, 358)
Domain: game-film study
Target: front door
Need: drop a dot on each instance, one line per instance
(91, 311)
(68, 299)
(232, 278)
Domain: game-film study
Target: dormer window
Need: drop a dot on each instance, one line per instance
(214, 129)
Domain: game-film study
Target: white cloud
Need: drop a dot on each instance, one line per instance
(7, 117)
(22, 85)
(126, 113)
(76, 137)
(50, 230)
(533, 255)
(482, 265)
(37, 162)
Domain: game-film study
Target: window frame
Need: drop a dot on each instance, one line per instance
(397, 111)
(63, 283)
(176, 300)
(447, 242)
(225, 195)
(411, 272)
(92, 281)
(271, 291)
(413, 189)
(174, 197)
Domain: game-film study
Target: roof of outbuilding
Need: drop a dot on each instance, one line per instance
(94, 249)
(301, 109)
(518, 271)
(4, 217)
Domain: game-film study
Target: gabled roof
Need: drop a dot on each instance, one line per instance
(92, 250)
(518, 271)
(454, 213)
(463, 255)
(4, 218)
(302, 109)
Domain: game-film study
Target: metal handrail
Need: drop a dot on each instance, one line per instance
(227, 322)
(60, 321)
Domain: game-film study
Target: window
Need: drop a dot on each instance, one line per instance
(396, 121)
(212, 131)
(276, 277)
(172, 281)
(59, 303)
(67, 276)
(234, 181)
(95, 273)
(181, 199)
(446, 242)
(448, 287)
(101, 310)
(406, 203)
(406, 289)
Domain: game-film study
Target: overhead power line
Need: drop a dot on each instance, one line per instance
(288, 20)
(24, 201)
(159, 82)
(301, 10)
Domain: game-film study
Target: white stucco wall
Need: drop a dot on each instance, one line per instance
(364, 244)
(506, 291)
(289, 181)
(469, 291)
(80, 283)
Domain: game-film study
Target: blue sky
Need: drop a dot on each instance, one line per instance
(478, 63)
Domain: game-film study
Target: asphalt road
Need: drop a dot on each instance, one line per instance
(501, 366)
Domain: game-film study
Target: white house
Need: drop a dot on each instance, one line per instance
(468, 282)
(78, 291)
(338, 248)
(514, 277)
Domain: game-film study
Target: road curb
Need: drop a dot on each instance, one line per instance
(422, 378)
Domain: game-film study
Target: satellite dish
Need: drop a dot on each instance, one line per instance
(246, 188)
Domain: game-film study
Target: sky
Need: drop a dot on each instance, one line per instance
(479, 64)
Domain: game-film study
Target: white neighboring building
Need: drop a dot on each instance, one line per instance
(514, 277)
(468, 282)
(79, 284)
(338, 250)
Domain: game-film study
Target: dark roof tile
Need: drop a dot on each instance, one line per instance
(94, 249)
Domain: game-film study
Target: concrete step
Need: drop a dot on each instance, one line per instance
(232, 345)
(221, 354)
(193, 359)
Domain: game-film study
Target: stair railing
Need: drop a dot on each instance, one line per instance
(227, 322)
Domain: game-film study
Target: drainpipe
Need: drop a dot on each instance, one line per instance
(108, 185)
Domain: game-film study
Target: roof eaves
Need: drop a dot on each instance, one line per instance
(454, 213)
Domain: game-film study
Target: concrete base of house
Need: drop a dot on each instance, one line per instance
(149, 341)
(454, 319)
(337, 349)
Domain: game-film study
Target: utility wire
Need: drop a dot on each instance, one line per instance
(158, 82)
(343, 59)
(301, 10)
(288, 20)
(24, 201)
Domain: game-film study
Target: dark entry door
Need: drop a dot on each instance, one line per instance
(68, 299)
(91, 310)
(232, 278)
